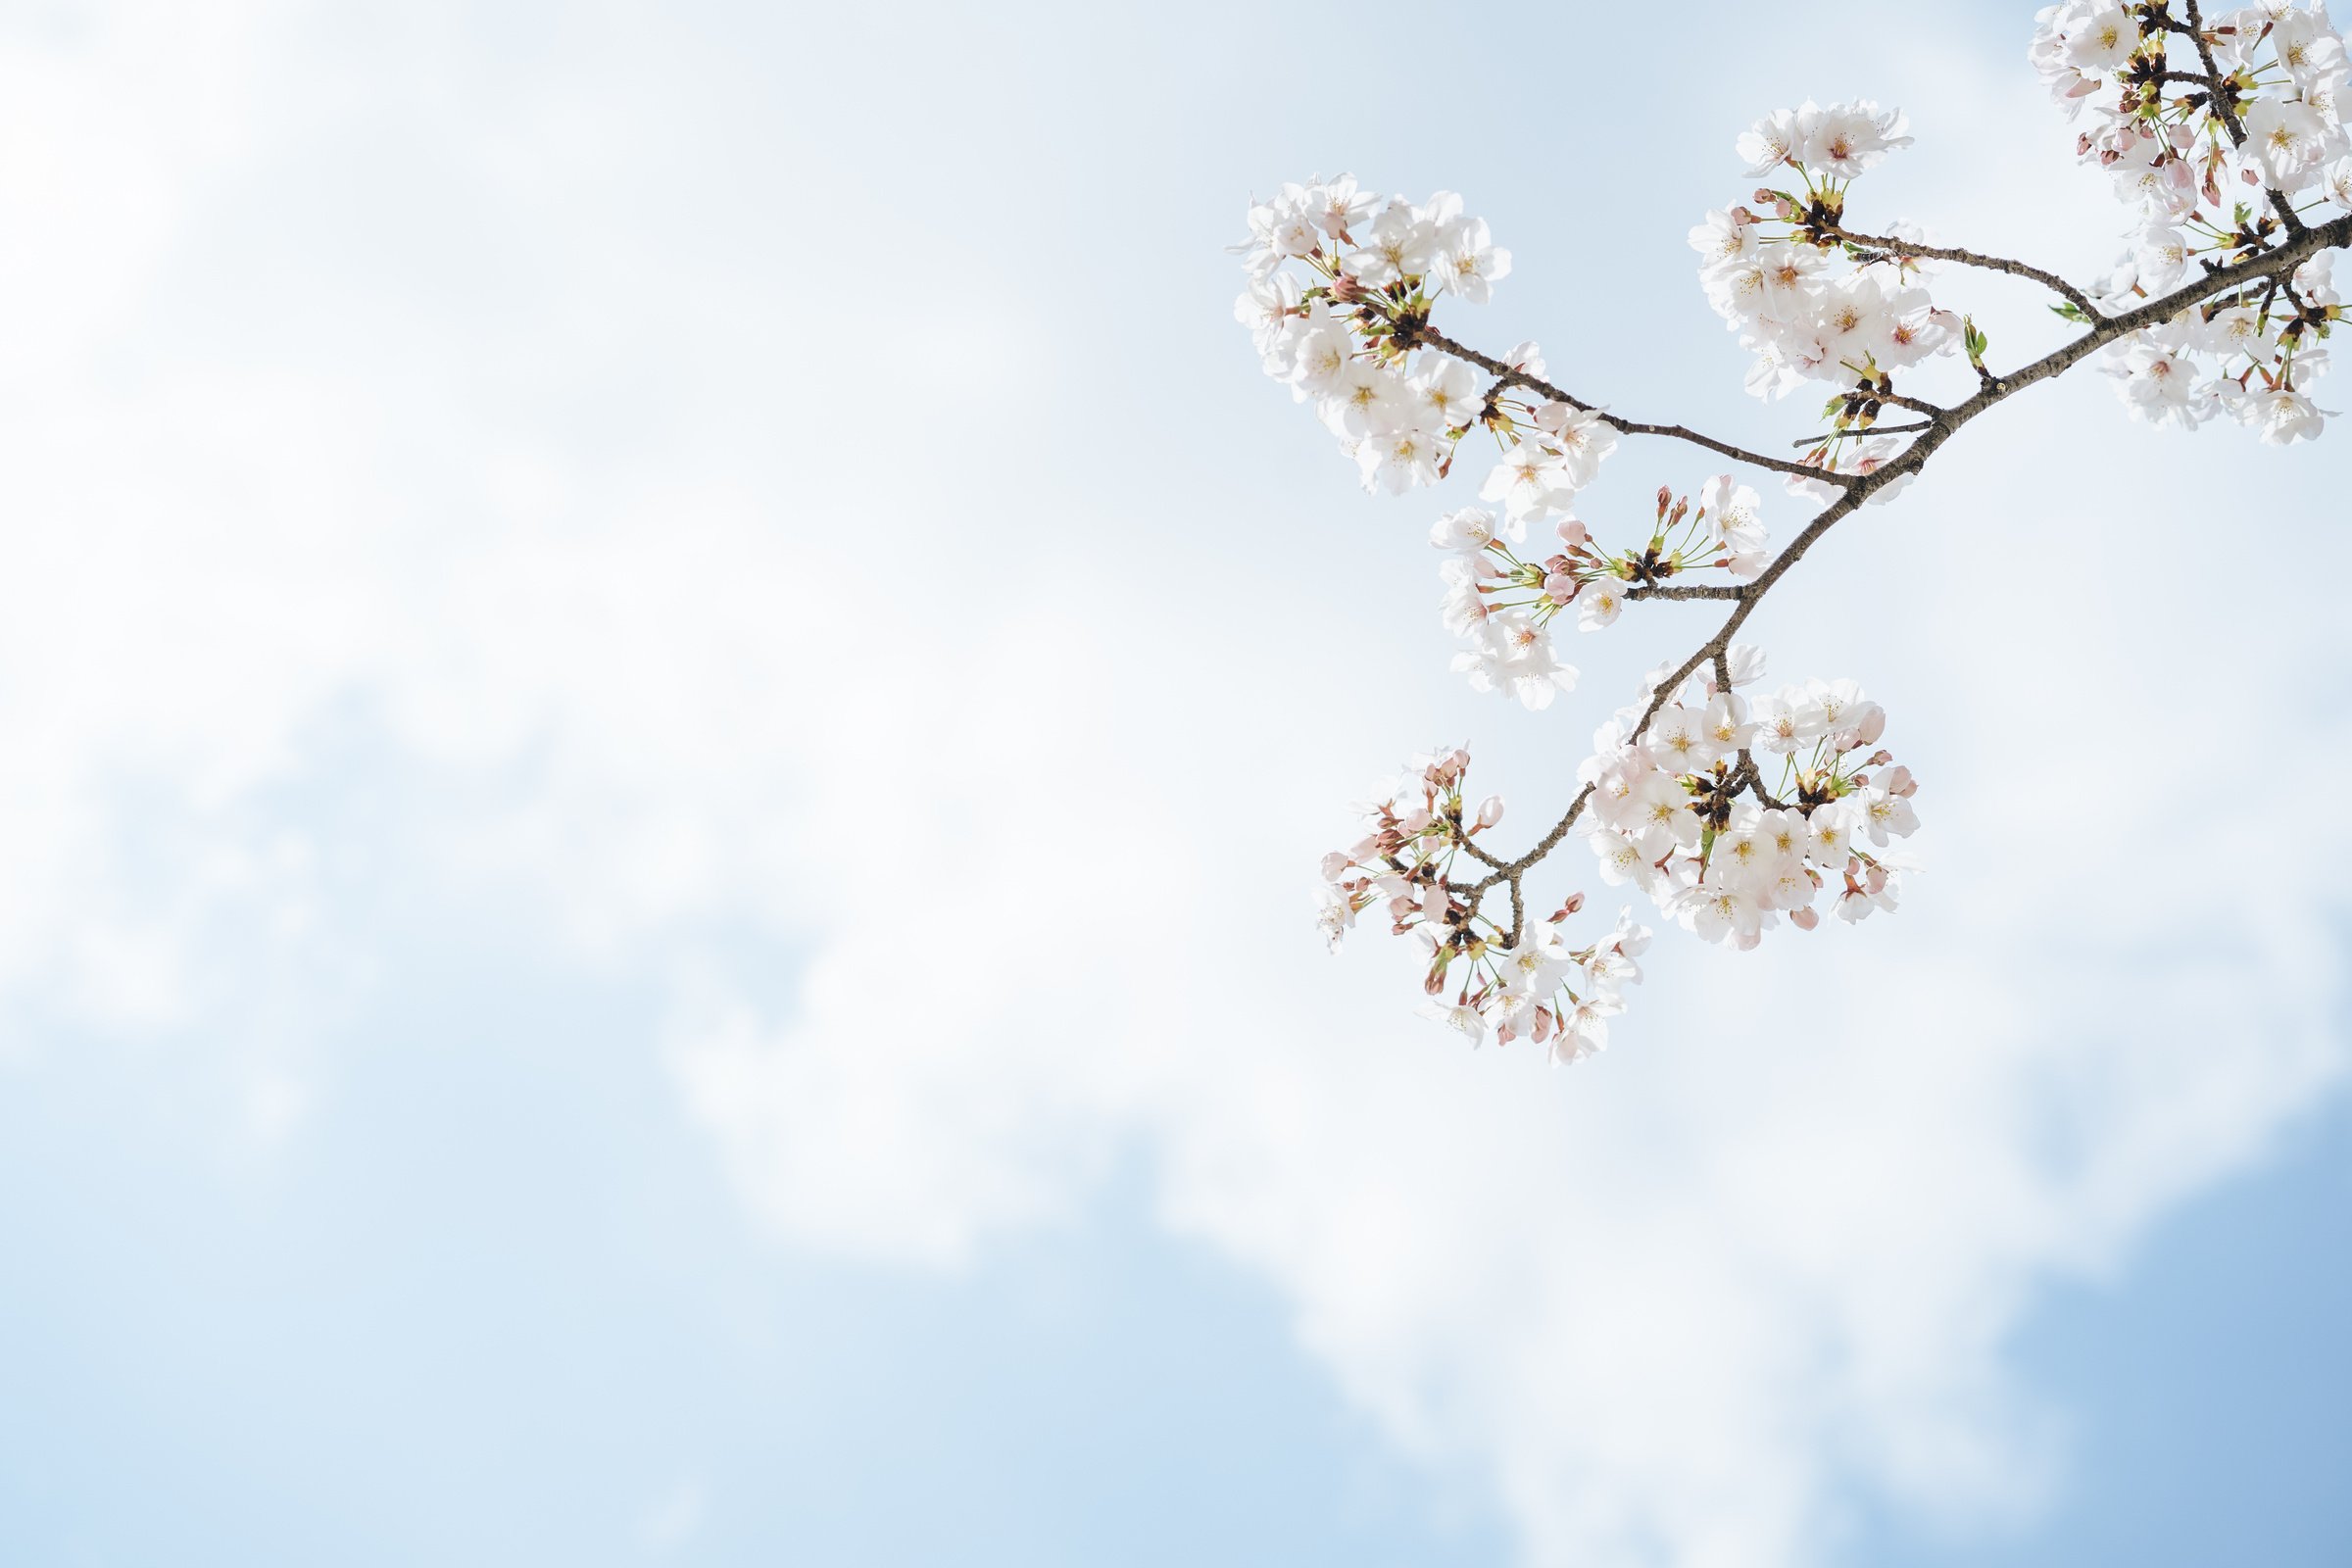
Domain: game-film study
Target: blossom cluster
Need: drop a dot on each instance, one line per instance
(1341, 281)
(1524, 981)
(1810, 303)
(2219, 140)
(1505, 604)
(1726, 843)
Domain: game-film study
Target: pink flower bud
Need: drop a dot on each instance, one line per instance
(1576, 902)
(1572, 532)
(1899, 781)
(1335, 866)
(1804, 919)
(1876, 882)
(1432, 904)
(1869, 724)
(1559, 587)
(1489, 812)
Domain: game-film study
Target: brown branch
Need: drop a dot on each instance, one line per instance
(1995, 263)
(1942, 428)
(1686, 591)
(1754, 778)
(2221, 106)
(1857, 431)
(1431, 337)
(1477, 852)
(1933, 411)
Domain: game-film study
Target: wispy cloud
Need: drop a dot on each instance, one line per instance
(1016, 768)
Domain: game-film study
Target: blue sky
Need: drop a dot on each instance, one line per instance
(563, 561)
(512, 1315)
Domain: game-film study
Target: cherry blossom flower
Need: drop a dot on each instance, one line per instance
(1469, 263)
(1600, 603)
(1844, 139)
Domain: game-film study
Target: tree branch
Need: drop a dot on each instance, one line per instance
(1680, 591)
(1994, 264)
(1857, 431)
(2221, 106)
(1945, 423)
(1933, 411)
(1431, 337)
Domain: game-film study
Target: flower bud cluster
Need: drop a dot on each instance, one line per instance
(2216, 169)
(1342, 283)
(1684, 810)
(1505, 604)
(1524, 982)
(1809, 303)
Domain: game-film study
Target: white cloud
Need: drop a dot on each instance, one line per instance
(1022, 763)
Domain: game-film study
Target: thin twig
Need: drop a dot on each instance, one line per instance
(1995, 263)
(1683, 591)
(1433, 338)
(1933, 411)
(1859, 430)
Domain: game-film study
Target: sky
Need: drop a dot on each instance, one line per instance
(671, 689)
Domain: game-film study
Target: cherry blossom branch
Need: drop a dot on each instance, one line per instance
(2221, 105)
(1510, 375)
(1932, 411)
(1900, 248)
(1687, 591)
(2220, 307)
(1945, 423)
(1863, 429)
